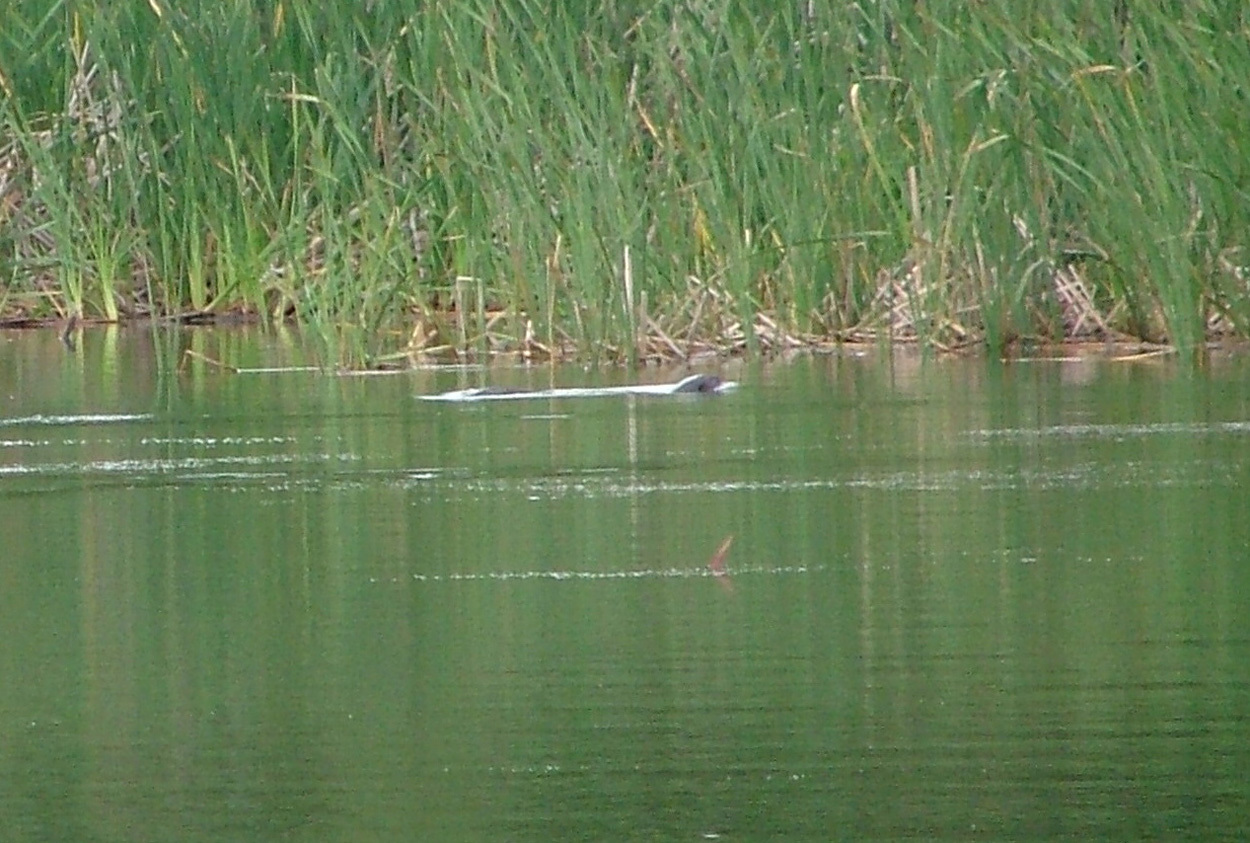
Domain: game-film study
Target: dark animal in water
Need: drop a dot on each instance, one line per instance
(691, 385)
(698, 383)
(707, 384)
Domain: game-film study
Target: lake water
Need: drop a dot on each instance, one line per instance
(962, 601)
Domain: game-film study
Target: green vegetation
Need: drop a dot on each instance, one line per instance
(621, 179)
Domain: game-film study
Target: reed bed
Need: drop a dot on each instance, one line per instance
(629, 180)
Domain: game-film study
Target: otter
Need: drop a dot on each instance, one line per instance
(690, 385)
(698, 383)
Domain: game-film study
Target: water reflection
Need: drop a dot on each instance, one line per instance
(964, 602)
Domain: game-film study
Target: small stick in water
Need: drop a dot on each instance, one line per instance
(67, 333)
(717, 563)
(210, 361)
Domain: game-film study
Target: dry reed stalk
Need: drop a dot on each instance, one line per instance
(1080, 315)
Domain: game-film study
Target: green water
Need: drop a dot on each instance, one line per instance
(963, 601)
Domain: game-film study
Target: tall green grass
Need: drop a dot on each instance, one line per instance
(619, 179)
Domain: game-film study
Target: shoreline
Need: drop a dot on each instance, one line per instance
(698, 352)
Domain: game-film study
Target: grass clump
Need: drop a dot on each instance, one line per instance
(625, 180)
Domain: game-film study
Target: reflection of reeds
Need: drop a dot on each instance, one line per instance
(609, 181)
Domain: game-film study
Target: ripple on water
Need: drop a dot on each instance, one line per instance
(601, 576)
(239, 461)
(1113, 431)
(1077, 476)
(87, 418)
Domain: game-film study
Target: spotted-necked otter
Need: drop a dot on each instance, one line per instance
(690, 385)
(698, 383)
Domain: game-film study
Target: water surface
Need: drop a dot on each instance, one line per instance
(963, 601)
